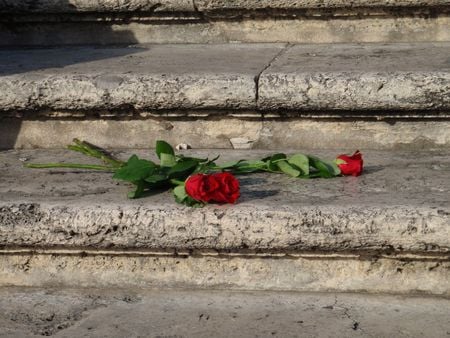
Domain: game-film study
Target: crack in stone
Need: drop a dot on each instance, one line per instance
(257, 77)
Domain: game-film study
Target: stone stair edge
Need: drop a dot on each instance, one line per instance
(388, 77)
(381, 211)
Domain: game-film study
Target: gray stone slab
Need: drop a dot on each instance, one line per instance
(400, 204)
(358, 77)
(306, 77)
(176, 313)
(99, 6)
(157, 77)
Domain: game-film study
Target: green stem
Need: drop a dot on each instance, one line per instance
(68, 165)
(93, 151)
(262, 168)
(176, 182)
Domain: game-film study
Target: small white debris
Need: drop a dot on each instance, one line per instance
(183, 146)
(23, 159)
(241, 143)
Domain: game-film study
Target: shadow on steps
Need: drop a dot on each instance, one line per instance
(14, 60)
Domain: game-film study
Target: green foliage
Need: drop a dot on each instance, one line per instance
(183, 198)
(147, 175)
(288, 168)
(173, 170)
(135, 170)
(162, 147)
(301, 162)
(323, 168)
(168, 160)
(182, 169)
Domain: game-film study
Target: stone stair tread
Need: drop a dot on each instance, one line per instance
(77, 312)
(400, 205)
(99, 6)
(358, 77)
(210, 5)
(156, 77)
(200, 6)
(386, 77)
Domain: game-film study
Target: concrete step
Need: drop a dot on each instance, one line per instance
(385, 231)
(263, 95)
(49, 22)
(175, 313)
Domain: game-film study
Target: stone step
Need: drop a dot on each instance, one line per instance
(385, 231)
(66, 313)
(263, 95)
(49, 22)
(201, 6)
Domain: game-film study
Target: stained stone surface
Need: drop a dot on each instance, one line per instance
(400, 204)
(138, 313)
(236, 77)
(140, 77)
(358, 77)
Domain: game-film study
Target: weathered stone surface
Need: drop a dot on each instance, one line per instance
(400, 204)
(161, 77)
(409, 274)
(218, 131)
(185, 313)
(208, 5)
(343, 29)
(99, 6)
(69, 6)
(307, 77)
(358, 77)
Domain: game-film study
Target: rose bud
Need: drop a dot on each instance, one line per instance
(350, 165)
(220, 187)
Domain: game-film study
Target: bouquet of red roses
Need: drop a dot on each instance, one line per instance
(198, 181)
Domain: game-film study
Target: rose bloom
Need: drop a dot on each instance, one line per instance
(219, 187)
(353, 164)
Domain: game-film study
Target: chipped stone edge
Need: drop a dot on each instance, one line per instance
(397, 229)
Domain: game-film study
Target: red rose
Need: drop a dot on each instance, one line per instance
(351, 165)
(220, 187)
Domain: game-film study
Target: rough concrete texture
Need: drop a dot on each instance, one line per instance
(211, 5)
(237, 76)
(99, 6)
(401, 204)
(358, 77)
(161, 77)
(257, 131)
(408, 274)
(137, 313)
(341, 29)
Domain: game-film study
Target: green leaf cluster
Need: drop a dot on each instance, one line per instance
(171, 170)
(297, 165)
